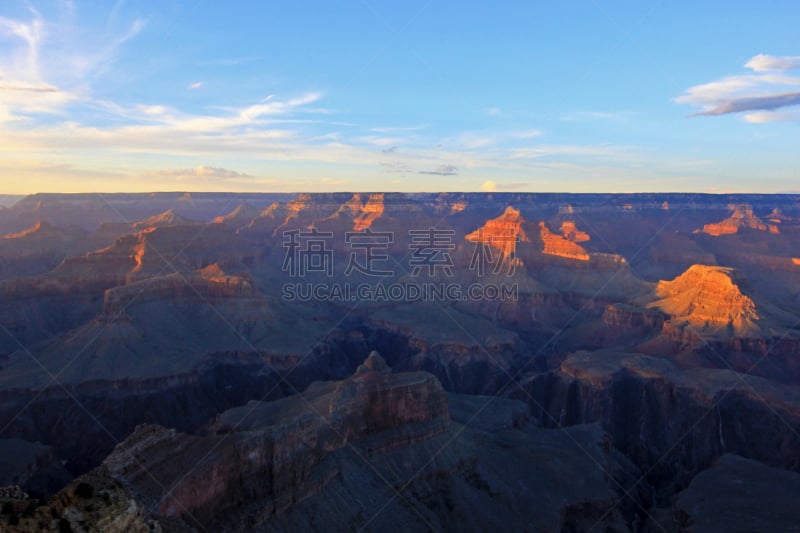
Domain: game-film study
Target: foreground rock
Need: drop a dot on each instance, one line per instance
(380, 451)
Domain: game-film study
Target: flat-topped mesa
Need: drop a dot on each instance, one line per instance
(741, 217)
(562, 245)
(502, 233)
(275, 454)
(708, 299)
(209, 282)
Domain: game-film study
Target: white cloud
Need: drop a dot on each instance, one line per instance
(194, 86)
(768, 88)
(762, 62)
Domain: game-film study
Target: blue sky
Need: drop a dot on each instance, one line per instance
(576, 96)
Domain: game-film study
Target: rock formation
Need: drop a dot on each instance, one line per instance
(167, 218)
(381, 449)
(564, 245)
(741, 217)
(371, 210)
(502, 233)
(708, 299)
(240, 216)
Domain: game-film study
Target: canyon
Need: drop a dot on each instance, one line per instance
(156, 375)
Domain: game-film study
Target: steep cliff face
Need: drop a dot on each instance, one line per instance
(624, 323)
(708, 299)
(671, 422)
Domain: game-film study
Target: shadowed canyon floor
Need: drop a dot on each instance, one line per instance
(527, 362)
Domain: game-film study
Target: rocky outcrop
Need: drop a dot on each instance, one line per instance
(741, 217)
(565, 245)
(371, 210)
(94, 503)
(502, 233)
(570, 232)
(242, 215)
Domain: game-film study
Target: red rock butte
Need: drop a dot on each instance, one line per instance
(502, 232)
(707, 298)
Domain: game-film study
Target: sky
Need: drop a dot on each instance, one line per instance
(419, 95)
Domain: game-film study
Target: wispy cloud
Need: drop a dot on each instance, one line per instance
(46, 65)
(767, 89)
(202, 171)
(591, 116)
(228, 61)
(399, 129)
(441, 170)
(194, 86)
